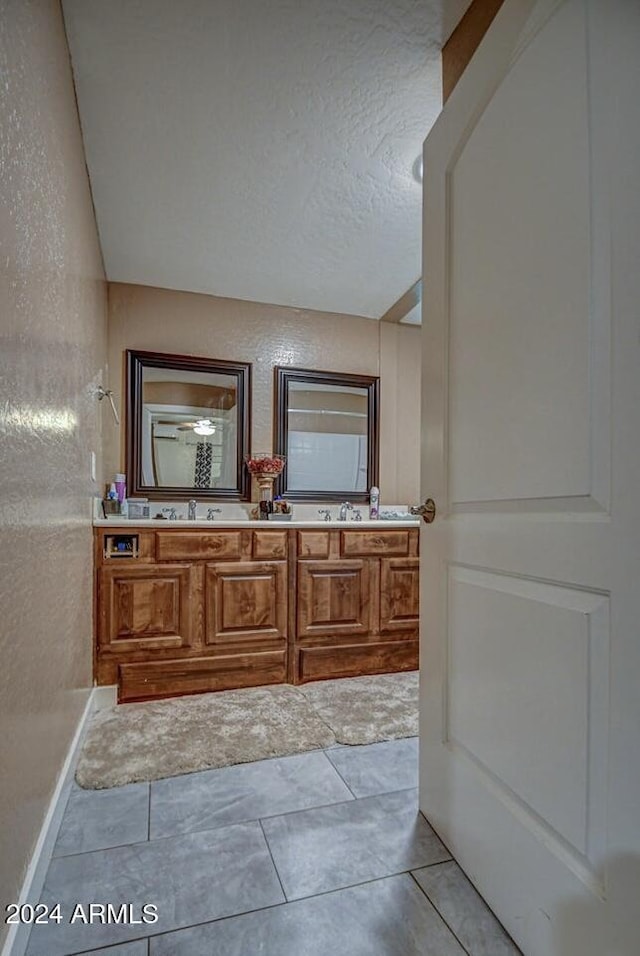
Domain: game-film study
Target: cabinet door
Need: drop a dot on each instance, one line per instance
(399, 594)
(245, 601)
(146, 607)
(333, 597)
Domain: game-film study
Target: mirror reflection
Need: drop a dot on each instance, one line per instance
(187, 426)
(327, 437)
(189, 429)
(327, 427)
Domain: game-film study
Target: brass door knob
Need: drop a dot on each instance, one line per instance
(427, 510)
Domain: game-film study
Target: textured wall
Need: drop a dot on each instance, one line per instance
(52, 348)
(267, 335)
(400, 371)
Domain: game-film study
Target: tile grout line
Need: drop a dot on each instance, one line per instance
(269, 816)
(441, 915)
(111, 947)
(196, 773)
(260, 760)
(264, 835)
(100, 849)
(335, 769)
(239, 823)
(149, 815)
(272, 906)
(340, 803)
(349, 886)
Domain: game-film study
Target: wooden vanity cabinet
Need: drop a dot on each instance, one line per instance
(357, 602)
(182, 611)
(195, 611)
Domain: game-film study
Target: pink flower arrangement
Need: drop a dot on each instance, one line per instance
(264, 464)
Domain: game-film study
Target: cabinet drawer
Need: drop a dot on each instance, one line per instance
(171, 678)
(313, 544)
(370, 544)
(197, 546)
(269, 544)
(319, 663)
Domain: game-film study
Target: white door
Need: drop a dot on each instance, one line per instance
(530, 691)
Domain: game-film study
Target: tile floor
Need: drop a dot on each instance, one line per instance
(310, 855)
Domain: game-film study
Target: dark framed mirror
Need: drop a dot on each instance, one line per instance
(326, 425)
(188, 427)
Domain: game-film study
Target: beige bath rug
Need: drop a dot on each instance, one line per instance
(361, 710)
(147, 741)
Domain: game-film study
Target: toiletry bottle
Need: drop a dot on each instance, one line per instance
(265, 508)
(374, 502)
(112, 494)
(121, 487)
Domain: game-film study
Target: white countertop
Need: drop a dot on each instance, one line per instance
(183, 524)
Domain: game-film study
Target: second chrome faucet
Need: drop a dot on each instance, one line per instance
(342, 514)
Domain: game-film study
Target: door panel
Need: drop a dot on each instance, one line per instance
(542, 651)
(530, 354)
(518, 301)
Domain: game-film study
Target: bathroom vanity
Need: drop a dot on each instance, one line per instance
(183, 608)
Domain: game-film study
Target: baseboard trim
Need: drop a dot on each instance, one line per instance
(105, 697)
(17, 938)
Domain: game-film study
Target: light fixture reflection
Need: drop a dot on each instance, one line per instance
(204, 427)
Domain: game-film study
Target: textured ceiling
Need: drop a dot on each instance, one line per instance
(260, 149)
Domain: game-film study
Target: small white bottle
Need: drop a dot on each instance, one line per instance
(374, 502)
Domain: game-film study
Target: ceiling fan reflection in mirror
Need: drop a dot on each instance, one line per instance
(204, 426)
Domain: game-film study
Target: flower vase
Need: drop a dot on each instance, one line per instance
(265, 503)
(265, 468)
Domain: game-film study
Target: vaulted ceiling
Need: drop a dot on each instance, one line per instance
(260, 149)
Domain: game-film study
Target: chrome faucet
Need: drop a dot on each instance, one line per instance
(211, 512)
(344, 507)
(193, 507)
(172, 513)
(326, 513)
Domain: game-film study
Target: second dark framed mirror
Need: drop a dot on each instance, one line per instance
(188, 426)
(326, 425)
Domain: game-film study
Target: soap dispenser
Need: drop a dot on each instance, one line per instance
(374, 502)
